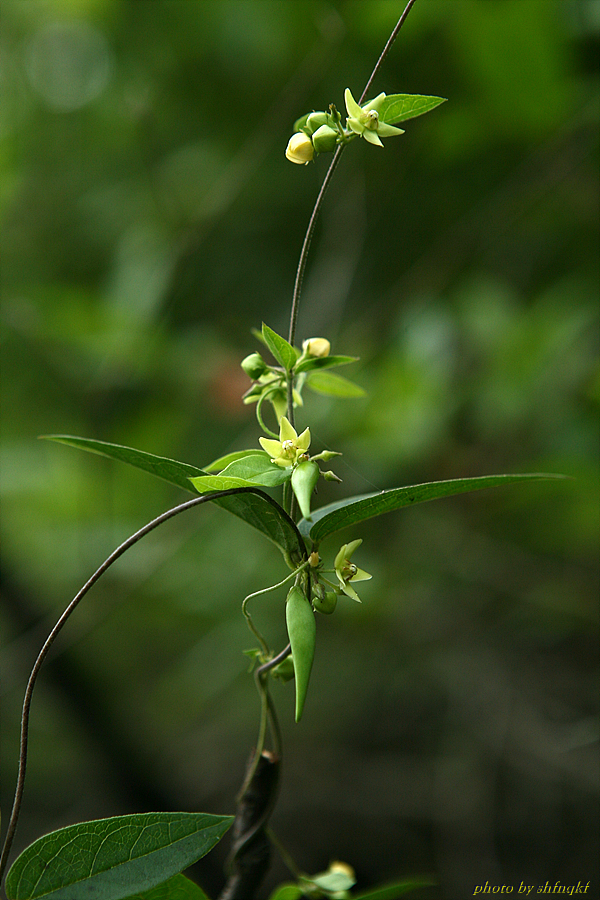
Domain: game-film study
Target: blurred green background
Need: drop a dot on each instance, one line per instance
(150, 220)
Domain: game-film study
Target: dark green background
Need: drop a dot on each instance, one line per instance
(150, 220)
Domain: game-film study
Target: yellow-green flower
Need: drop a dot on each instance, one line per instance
(289, 448)
(300, 149)
(364, 120)
(346, 571)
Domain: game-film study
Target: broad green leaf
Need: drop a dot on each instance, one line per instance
(255, 508)
(258, 469)
(178, 473)
(287, 892)
(399, 107)
(334, 385)
(324, 362)
(110, 859)
(217, 465)
(393, 891)
(266, 515)
(283, 352)
(339, 515)
(206, 484)
(177, 888)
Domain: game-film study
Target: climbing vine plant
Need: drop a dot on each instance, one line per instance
(142, 856)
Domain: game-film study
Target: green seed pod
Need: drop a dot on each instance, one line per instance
(302, 631)
(304, 478)
(325, 604)
(254, 366)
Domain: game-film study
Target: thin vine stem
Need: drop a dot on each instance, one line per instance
(114, 556)
(272, 587)
(319, 201)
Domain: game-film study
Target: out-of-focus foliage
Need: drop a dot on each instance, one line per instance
(149, 221)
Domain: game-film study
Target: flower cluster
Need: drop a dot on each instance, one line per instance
(320, 132)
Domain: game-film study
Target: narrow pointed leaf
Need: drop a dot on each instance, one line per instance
(339, 515)
(399, 107)
(283, 352)
(110, 859)
(177, 888)
(324, 362)
(205, 484)
(217, 465)
(171, 470)
(334, 385)
(258, 510)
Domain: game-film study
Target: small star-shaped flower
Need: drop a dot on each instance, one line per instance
(347, 571)
(364, 120)
(286, 451)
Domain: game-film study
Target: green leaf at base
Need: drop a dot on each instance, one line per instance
(110, 859)
(177, 888)
(339, 515)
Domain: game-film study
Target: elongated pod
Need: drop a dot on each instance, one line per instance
(302, 629)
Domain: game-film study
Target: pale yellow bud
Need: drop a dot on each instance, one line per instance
(300, 149)
(316, 347)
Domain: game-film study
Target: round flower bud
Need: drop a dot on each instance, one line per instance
(300, 149)
(316, 347)
(315, 120)
(254, 366)
(325, 604)
(324, 139)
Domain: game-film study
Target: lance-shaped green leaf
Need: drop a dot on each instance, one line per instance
(255, 508)
(339, 515)
(283, 352)
(323, 362)
(110, 859)
(399, 107)
(171, 470)
(334, 385)
(256, 469)
(217, 465)
(177, 888)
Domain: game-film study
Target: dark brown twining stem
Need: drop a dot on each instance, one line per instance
(14, 817)
(251, 850)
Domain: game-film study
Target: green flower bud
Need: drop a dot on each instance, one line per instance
(302, 632)
(254, 366)
(284, 671)
(325, 139)
(315, 120)
(324, 602)
(304, 479)
(331, 476)
(300, 149)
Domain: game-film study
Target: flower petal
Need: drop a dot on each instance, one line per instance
(303, 441)
(341, 556)
(287, 432)
(352, 106)
(361, 575)
(375, 103)
(273, 448)
(386, 130)
(351, 547)
(371, 137)
(350, 592)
